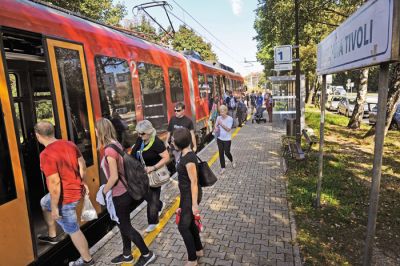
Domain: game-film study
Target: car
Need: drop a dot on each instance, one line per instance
(346, 107)
(339, 90)
(332, 102)
(395, 124)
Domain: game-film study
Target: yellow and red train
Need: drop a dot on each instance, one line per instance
(69, 70)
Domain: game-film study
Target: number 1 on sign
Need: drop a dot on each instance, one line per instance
(280, 53)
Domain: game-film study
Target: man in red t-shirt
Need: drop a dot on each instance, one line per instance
(64, 167)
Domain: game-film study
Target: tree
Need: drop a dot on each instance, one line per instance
(145, 29)
(358, 112)
(187, 39)
(102, 10)
(393, 98)
(274, 25)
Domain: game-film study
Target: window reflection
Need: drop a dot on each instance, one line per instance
(73, 90)
(116, 96)
(203, 86)
(153, 92)
(176, 86)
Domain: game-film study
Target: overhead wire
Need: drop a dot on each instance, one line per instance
(215, 37)
(204, 37)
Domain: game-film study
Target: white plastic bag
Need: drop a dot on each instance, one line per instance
(88, 211)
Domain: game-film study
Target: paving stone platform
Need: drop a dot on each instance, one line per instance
(245, 214)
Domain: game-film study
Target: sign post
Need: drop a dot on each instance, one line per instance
(368, 37)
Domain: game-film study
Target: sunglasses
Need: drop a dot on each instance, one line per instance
(178, 110)
(141, 134)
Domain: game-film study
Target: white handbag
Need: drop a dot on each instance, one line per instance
(158, 177)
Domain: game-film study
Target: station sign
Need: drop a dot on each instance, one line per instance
(369, 37)
(283, 54)
(283, 67)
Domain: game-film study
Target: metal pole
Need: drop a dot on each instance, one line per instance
(317, 203)
(376, 170)
(298, 111)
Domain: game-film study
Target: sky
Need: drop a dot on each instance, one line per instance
(230, 21)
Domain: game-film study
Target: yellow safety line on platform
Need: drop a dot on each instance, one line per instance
(149, 238)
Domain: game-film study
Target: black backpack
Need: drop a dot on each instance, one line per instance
(137, 180)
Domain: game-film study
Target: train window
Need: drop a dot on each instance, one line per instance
(228, 84)
(203, 87)
(176, 85)
(73, 90)
(116, 96)
(152, 85)
(16, 93)
(7, 185)
(210, 84)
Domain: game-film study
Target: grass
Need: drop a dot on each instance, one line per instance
(335, 233)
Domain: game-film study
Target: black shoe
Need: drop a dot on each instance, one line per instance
(143, 261)
(48, 239)
(122, 259)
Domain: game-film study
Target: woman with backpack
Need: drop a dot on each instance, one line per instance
(154, 154)
(190, 194)
(124, 204)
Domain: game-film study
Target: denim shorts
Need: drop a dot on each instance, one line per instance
(68, 220)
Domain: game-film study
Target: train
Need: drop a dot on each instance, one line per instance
(61, 67)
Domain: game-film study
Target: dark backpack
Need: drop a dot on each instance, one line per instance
(137, 180)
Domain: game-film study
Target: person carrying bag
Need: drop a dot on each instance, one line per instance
(152, 153)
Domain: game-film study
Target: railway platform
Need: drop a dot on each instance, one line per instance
(246, 215)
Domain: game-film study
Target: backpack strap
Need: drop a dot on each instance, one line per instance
(122, 153)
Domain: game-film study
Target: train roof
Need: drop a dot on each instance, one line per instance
(28, 14)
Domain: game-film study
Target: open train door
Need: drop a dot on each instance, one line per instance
(15, 237)
(74, 106)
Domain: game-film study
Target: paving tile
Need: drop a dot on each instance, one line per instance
(245, 214)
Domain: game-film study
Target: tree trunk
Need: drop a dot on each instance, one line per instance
(393, 99)
(312, 90)
(358, 112)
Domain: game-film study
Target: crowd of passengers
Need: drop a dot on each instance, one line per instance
(65, 169)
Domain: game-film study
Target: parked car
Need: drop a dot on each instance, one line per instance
(339, 90)
(332, 102)
(395, 124)
(346, 107)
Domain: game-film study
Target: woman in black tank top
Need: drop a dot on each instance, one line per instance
(189, 190)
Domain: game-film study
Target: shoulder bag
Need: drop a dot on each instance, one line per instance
(206, 176)
(158, 177)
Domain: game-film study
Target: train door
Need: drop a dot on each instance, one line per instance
(15, 245)
(34, 100)
(154, 99)
(74, 106)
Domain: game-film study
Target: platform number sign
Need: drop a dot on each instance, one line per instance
(283, 54)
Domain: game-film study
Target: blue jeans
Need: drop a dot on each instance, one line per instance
(68, 220)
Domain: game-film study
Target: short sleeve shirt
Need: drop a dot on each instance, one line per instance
(227, 122)
(152, 155)
(183, 176)
(119, 187)
(62, 157)
(183, 122)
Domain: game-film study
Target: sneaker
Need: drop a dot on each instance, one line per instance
(151, 228)
(143, 261)
(233, 165)
(81, 262)
(48, 239)
(222, 171)
(122, 259)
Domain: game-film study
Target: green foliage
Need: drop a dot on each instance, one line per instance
(102, 10)
(275, 25)
(187, 39)
(335, 233)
